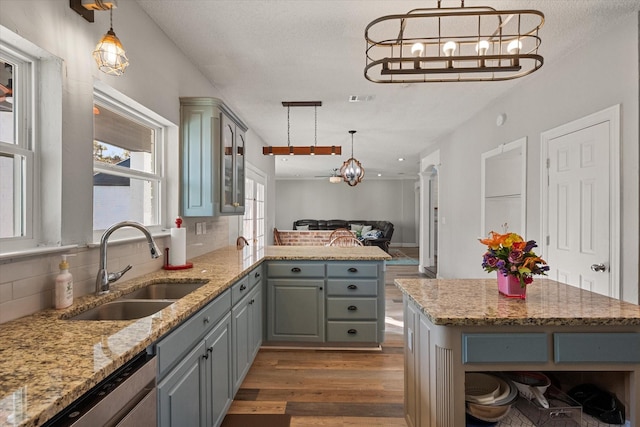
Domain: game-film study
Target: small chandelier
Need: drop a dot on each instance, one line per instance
(310, 150)
(454, 44)
(352, 171)
(109, 53)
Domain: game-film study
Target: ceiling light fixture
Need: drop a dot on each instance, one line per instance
(109, 53)
(453, 44)
(335, 178)
(311, 150)
(352, 171)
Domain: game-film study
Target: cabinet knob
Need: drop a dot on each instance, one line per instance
(352, 287)
(353, 270)
(243, 287)
(352, 308)
(320, 288)
(256, 275)
(352, 331)
(296, 270)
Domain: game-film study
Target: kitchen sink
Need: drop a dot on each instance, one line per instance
(163, 291)
(123, 310)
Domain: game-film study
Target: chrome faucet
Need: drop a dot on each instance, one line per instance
(104, 278)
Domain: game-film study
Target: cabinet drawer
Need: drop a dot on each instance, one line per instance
(352, 269)
(352, 331)
(255, 276)
(171, 348)
(295, 270)
(505, 348)
(239, 290)
(623, 347)
(353, 287)
(352, 308)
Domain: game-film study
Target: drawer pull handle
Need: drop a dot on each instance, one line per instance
(352, 308)
(352, 287)
(243, 287)
(256, 275)
(296, 270)
(352, 331)
(353, 270)
(206, 320)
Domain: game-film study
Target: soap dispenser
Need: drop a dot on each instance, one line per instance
(64, 285)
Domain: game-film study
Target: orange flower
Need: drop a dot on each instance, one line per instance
(519, 246)
(495, 240)
(530, 262)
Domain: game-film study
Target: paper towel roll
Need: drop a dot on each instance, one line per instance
(178, 246)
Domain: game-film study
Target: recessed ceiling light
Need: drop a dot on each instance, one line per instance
(401, 159)
(284, 159)
(379, 174)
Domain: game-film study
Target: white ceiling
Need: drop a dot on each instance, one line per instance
(259, 53)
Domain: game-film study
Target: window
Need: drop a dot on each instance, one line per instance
(17, 151)
(127, 164)
(253, 220)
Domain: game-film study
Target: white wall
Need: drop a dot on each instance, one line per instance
(373, 199)
(158, 75)
(596, 75)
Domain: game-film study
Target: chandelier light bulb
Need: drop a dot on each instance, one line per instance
(449, 48)
(482, 47)
(417, 49)
(514, 46)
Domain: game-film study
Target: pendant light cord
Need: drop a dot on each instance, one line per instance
(288, 127)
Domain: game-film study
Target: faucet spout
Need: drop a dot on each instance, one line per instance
(104, 278)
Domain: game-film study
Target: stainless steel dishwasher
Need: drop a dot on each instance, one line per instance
(127, 398)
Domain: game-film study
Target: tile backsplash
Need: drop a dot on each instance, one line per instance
(27, 284)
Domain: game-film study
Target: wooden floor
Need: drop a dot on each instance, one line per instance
(351, 388)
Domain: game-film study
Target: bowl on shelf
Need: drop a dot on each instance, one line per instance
(480, 387)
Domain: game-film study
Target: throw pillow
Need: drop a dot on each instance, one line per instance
(373, 234)
(356, 227)
(366, 228)
(302, 227)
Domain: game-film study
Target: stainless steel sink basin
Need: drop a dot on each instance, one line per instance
(163, 291)
(123, 310)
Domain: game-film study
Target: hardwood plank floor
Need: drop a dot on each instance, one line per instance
(336, 388)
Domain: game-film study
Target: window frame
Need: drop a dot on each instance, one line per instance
(25, 78)
(121, 104)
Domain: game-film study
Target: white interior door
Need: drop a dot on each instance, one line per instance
(580, 206)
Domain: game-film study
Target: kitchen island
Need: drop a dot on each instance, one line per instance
(463, 325)
(48, 361)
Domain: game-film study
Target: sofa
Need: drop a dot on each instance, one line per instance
(379, 234)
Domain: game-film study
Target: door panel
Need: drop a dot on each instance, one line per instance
(579, 207)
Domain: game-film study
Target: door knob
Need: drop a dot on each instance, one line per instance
(598, 268)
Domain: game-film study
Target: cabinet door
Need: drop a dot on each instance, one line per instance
(197, 126)
(219, 371)
(240, 327)
(238, 181)
(296, 310)
(182, 394)
(410, 362)
(227, 147)
(256, 321)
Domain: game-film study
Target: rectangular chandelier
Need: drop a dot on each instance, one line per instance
(453, 44)
(303, 150)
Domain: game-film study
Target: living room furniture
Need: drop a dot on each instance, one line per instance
(345, 241)
(385, 227)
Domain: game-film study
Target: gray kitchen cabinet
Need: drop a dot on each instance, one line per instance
(295, 301)
(233, 135)
(330, 301)
(182, 393)
(212, 140)
(195, 368)
(247, 322)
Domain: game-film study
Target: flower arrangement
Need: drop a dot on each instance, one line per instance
(509, 254)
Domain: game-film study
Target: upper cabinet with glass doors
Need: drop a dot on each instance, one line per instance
(213, 145)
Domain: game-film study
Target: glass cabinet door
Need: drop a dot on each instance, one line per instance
(238, 200)
(227, 190)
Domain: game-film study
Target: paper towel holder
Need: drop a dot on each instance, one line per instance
(168, 266)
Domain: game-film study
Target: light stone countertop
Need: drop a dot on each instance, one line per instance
(476, 302)
(47, 362)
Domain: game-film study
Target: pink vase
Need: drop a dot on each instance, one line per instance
(509, 286)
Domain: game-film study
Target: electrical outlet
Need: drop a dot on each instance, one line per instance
(198, 228)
